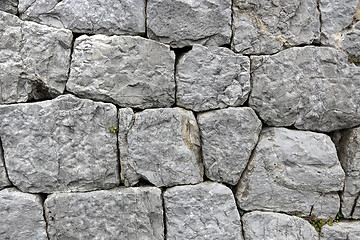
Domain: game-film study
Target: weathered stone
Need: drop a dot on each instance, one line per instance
(228, 138)
(292, 171)
(351, 43)
(182, 23)
(125, 70)
(88, 16)
(210, 78)
(341, 231)
(124, 213)
(34, 60)
(265, 225)
(161, 146)
(203, 211)
(60, 145)
(266, 27)
(9, 6)
(4, 180)
(312, 88)
(21, 216)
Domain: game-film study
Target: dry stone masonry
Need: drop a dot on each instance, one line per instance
(180, 119)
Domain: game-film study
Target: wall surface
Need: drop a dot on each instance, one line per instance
(180, 119)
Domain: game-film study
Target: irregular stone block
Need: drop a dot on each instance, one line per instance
(88, 16)
(34, 60)
(210, 78)
(203, 211)
(4, 180)
(266, 27)
(9, 6)
(161, 146)
(312, 88)
(127, 71)
(60, 145)
(21, 216)
(292, 171)
(124, 213)
(351, 43)
(266, 225)
(342, 230)
(182, 23)
(228, 138)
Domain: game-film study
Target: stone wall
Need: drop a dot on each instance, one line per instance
(180, 119)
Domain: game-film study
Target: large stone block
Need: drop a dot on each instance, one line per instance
(4, 180)
(125, 70)
(204, 211)
(210, 78)
(9, 6)
(341, 231)
(124, 213)
(60, 145)
(88, 16)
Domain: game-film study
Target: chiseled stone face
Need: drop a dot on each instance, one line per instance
(341, 230)
(9, 6)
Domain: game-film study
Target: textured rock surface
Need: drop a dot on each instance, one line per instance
(311, 88)
(161, 146)
(21, 216)
(182, 23)
(128, 71)
(265, 225)
(34, 60)
(292, 171)
(351, 43)
(210, 78)
(4, 181)
(203, 211)
(9, 6)
(60, 145)
(228, 138)
(341, 231)
(266, 27)
(88, 16)
(124, 213)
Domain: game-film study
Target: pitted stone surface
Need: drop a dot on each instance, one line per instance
(211, 77)
(341, 231)
(124, 213)
(312, 88)
(4, 181)
(34, 60)
(351, 43)
(125, 70)
(266, 27)
(228, 138)
(292, 171)
(204, 211)
(9, 6)
(265, 225)
(88, 16)
(21, 216)
(60, 145)
(182, 23)
(161, 146)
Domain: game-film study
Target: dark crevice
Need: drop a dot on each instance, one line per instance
(242, 227)
(354, 206)
(201, 160)
(43, 197)
(5, 168)
(318, 41)
(164, 212)
(117, 144)
(143, 183)
(226, 46)
(232, 26)
(145, 33)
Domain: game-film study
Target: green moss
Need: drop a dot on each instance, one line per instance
(354, 60)
(318, 223)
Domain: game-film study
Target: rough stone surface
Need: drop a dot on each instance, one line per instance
(34, 60)
(60, 145)
(161, 146)
(292, 171)
(21, 216)
(266, 27)
(228, 138)
(4, 180)
(124, 213)
(9, 6)
(204, 211)
(312, 88)
(210, 78)
(125, 70)
(351, 43)
(88, 16)
(182, 23)
(265, 225)
(341, 231)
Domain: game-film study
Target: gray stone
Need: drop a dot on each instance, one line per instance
(9, 6)
(34, 60)
(228, 138)
(265, 225)
(124, 213)
(182, 23)
(341, 231)
(21, 216)
(292, 171)
(204, 211)
(351, 43)
(4, 180)
(266, 27)
(60, 145)
(161, 146)
(210, 78)
(88, 16)
(312, 88)
(125, 70)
